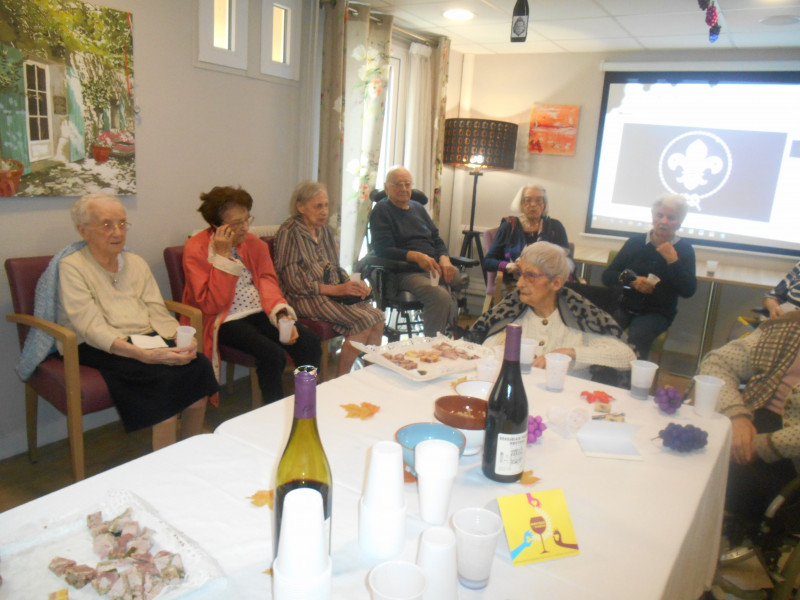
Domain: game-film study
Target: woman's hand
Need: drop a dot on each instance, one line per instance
(667, 250)
(223, 240)
(742, 442)
(773, 306)
(512, 267)
(540, 362)
(155, 356)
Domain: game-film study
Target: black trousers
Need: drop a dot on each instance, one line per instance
(255, 335)
(752, 487)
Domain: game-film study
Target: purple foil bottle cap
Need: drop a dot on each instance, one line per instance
(305, 392)
(513, 340)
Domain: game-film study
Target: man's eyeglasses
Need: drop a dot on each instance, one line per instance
(400, 184)
(240, 223)
(109, 226)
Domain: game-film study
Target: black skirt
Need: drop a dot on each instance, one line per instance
(148, 394)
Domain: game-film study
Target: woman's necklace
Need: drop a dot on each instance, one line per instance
(115, 276)
(527, 226)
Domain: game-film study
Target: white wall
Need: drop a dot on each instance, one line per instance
(197, 128)
(505, 87)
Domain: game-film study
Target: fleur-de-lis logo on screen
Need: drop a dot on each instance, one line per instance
(696, 164)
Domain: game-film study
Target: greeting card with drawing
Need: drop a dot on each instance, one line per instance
(538, 526)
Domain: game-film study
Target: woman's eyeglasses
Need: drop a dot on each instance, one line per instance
(108, 227)
(530, 276)
(240, 223)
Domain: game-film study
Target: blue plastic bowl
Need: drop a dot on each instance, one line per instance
(411, 435)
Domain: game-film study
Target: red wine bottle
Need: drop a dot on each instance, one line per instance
(303, 463)
(519, 21)
(507, 417)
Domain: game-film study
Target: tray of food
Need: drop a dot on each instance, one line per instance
(426, 358)
(116, 548)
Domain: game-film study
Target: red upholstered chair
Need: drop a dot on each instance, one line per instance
(173, 258)
(73, 389)
(323, 329)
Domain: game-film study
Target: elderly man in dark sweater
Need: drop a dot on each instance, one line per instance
(401, 229)
(654, 269)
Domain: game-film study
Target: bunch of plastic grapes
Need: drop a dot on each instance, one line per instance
(535, 429)
(683, 438)
(668, 399)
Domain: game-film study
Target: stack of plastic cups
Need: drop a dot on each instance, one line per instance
(437, 557)
(302, 569)
(382, 509)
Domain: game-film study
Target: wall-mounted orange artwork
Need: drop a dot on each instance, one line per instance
(554, 129)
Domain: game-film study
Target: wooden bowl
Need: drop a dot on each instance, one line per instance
(462, 412)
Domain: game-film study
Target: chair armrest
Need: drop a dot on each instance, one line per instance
(463, 262)
(193, 314)
(390, 264)
(498, 287)
(59, 332)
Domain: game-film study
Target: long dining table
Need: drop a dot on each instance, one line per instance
(646, 528)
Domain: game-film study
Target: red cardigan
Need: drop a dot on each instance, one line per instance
(211, 284)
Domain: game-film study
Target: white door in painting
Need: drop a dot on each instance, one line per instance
(37, 107)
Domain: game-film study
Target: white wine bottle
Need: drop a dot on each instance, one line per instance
(507, 417)
(303, 463)
(519, 21)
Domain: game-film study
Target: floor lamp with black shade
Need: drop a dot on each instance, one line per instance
(478, 144)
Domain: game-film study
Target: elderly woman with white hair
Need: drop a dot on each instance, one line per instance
(110, 299)
(653, 269)
(533, 225)
(562, 320)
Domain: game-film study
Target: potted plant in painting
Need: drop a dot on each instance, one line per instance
(101, 147)
(10, 174)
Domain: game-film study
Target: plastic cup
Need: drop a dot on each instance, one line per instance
(436, 464)
(711, 267)
(706, 394)
(653, 278)
(556, 366)
(397, 580)
(434, 277)
(356, 277)
(487, 368)
(437, 557)
(302, 568)
(642, 373)
(285, 330)
(185, 335)
(477, 531)
(382, 509)
(527, 350)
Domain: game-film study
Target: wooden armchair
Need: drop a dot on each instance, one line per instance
(74, 390)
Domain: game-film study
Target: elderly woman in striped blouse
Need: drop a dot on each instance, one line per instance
(307, 263)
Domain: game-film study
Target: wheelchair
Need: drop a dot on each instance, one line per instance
(775, 543)
(403, 312)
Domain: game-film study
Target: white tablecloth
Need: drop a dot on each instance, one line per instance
(646, 529)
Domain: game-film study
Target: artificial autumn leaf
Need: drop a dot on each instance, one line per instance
(361, 411)
(262, 497)
(528, 478)
(268, 571)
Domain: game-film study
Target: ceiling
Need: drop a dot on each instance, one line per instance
(600, 25)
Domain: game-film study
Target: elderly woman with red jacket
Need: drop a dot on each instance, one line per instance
(231, 279)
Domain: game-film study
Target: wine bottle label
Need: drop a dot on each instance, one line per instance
(510, 457)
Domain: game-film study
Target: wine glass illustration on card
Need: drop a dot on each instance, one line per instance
(539, 525)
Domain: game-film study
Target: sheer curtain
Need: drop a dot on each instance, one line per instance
(425, 108)
(368, 47)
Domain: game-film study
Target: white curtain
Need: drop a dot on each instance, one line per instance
(418, 146)
(367, 51)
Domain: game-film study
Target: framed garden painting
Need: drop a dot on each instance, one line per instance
(554, 129)
(66, 99)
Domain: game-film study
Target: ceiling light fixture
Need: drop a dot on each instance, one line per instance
(458, 14)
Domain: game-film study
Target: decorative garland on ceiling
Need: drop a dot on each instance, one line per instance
(712, 19)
